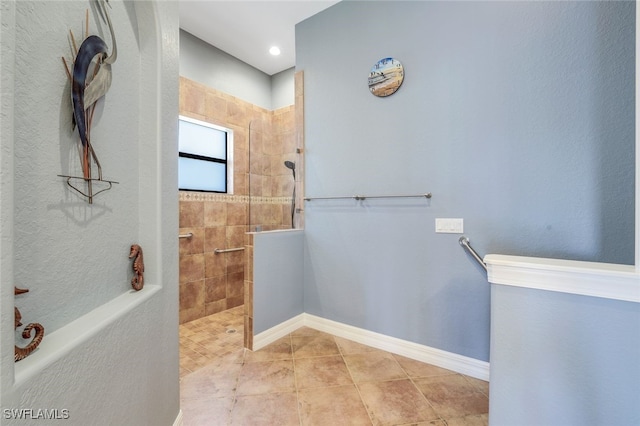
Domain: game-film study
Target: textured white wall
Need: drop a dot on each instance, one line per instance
(110, 356)
(61, 251)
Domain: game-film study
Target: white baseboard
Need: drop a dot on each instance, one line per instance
(458, 363)
(261, 340)
(178, 421)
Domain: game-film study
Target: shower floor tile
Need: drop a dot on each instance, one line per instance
(205, 340)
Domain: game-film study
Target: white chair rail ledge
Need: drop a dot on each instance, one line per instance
(605, 280)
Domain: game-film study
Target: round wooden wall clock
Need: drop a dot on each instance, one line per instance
(386, 77)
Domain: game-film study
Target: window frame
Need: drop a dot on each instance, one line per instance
(228, 162)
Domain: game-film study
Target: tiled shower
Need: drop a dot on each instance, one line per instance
(264, 140)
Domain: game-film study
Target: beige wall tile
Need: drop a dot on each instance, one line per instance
(241, 183)
(191, 214)
(215, 307)
(248, 334)
(215, 289)
(256, 185)
(237, 215)
(192, 97)
(192, 294)
(238, 114)
(191, 267)
(240, 151)
(288, 142)
(193, 245)
(234, 302)
(257, 118)
(256, 144)
(248, 261)
(273, 214)
(215, 237)
(215, 106)
(235, 262)
(248, 297)
(190, 314)
(215, 214)
(235, 285)
(235, 236)
(214, 265)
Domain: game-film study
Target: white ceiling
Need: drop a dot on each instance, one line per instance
(247, 29)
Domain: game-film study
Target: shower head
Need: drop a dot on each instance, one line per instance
(292, 166)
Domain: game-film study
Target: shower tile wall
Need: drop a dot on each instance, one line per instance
(210, 282)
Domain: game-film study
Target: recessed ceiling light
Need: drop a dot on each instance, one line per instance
(275, 50)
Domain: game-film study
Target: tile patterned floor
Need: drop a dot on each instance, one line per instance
(313, 378)
(205, 340)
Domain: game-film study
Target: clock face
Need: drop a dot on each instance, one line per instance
(385, 77)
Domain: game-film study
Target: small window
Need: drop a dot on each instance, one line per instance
(204, 162)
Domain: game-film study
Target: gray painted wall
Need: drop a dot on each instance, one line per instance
(109, 355)
(206, 64)
(518, 116)
(283, 88)
(277, 274)
(563, 359)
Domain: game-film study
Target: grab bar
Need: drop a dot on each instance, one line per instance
(189, 235)
(218, 251)
(364, 197)
(464, 242)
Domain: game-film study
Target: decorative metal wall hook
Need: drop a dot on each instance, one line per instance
(89, 193)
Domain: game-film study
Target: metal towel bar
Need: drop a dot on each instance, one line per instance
(189, 235)
(218, 251)
(464, 242)
(364, 197)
